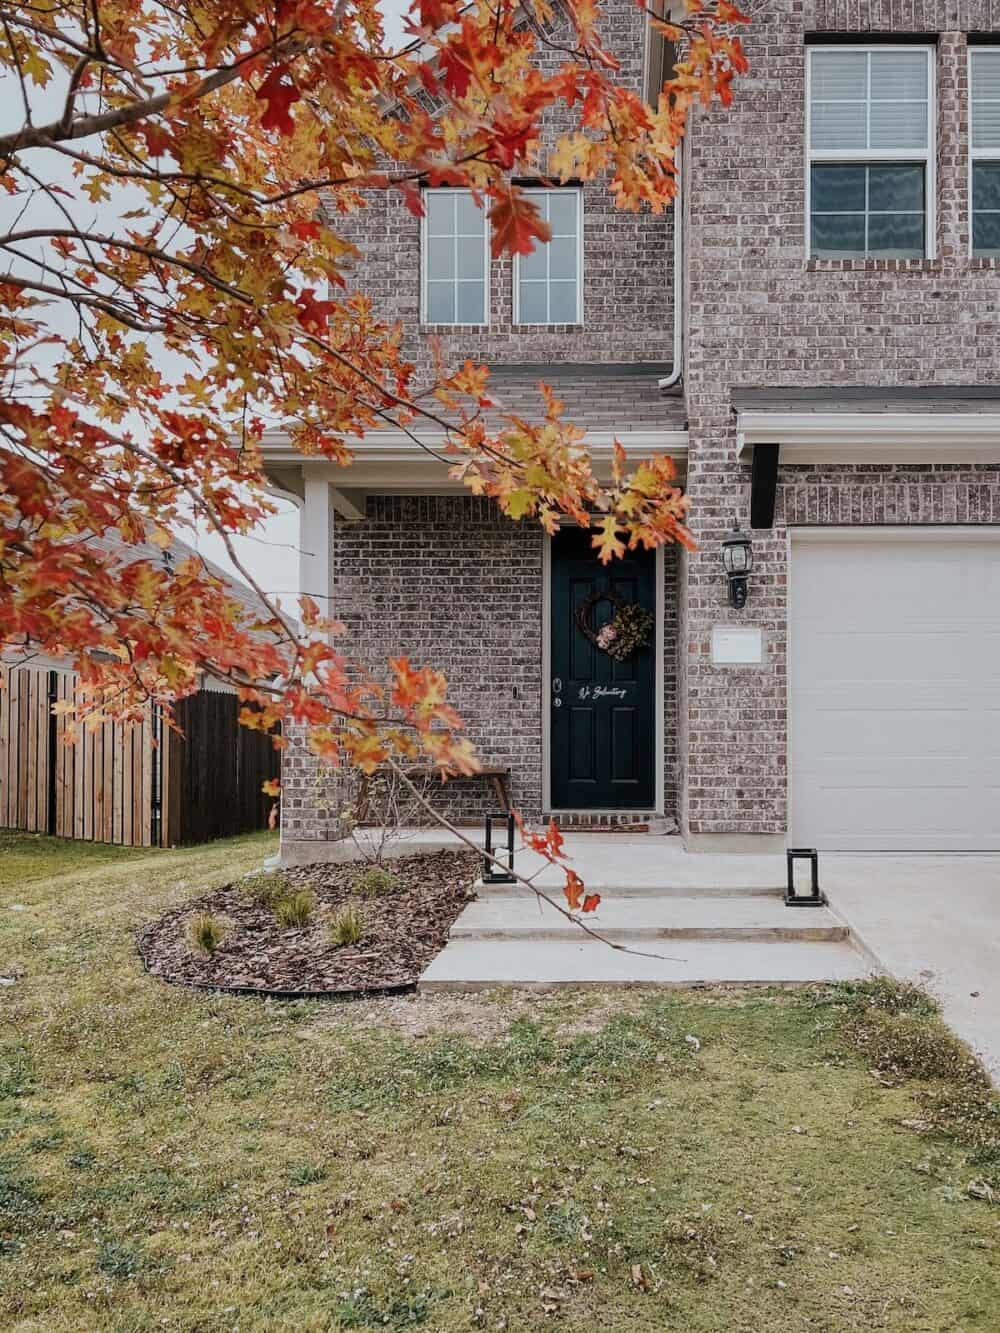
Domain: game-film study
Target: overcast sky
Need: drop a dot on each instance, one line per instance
(272, 554)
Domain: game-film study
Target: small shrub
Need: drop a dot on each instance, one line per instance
(295, 910)
(266, 887)
(207, 933)
(347, 927)
(375, 881)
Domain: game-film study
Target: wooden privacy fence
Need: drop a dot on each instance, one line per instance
(140, 785)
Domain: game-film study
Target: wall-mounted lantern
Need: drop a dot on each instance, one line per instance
(737, 561)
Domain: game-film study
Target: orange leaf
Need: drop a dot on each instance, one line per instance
(591, 902)
(517, 225)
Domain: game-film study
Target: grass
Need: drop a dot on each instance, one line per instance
(295, 909)
(206, 932)
(347, 926)
(170, 1159)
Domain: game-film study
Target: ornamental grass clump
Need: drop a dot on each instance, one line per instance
(266, 888)
(347, 927)
(295, 910)
(375, 881)
(206, 932)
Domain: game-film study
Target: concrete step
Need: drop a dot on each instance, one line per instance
(552, 885)
(472, 964)
(650, 917)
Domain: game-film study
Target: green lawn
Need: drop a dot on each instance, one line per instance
(169, 1160)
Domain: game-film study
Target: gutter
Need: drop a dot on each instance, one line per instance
(673, 378)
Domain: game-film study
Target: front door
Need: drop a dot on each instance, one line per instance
(601, 708)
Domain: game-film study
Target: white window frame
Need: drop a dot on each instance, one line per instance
(863, 156)
(485, 322)
(978, 154)
(547, 324)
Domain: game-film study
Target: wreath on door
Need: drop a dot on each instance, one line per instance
(629, 629)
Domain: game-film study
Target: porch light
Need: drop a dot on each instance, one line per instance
(737, 561)
(492, 873)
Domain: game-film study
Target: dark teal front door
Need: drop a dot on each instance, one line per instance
(601, 714)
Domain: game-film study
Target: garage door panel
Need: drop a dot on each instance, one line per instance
(829, 732)
(894, 692)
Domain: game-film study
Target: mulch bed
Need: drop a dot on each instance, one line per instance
(404, 929)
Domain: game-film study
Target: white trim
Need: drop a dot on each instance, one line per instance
(976, 154)
(391, 463)
(479, 324)
(315, 538)
(896, 532)
(659, 688)
(873, 437)
(927, 157)
(516, 267)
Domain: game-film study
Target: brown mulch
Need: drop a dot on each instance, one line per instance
(404, 929)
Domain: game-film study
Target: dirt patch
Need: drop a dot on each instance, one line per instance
(401, 930)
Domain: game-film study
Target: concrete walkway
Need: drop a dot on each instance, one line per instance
(932, 919)
(675, 919)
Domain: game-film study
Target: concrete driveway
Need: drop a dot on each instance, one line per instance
(933, 919)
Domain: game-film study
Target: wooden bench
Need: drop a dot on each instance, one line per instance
(498, 779)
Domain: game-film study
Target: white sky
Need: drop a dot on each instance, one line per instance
(272, 553)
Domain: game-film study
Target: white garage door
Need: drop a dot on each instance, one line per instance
(894, 690)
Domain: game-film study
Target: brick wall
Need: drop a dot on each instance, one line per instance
(627, 287)
(761, 313)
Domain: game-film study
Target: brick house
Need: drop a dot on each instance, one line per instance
(830, 386)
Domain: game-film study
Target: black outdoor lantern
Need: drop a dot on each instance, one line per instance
(492, 873)
(737, 561)
(813, 898)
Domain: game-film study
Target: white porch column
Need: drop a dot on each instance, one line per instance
(316, 540)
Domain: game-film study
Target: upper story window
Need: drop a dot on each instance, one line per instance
(455, 267)
(984, 148)
(871, 162)
(548, 283)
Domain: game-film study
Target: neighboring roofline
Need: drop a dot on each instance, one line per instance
(872, 437)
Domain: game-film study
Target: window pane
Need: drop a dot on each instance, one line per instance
(470, 303)
(899, 75)
(562, 303)
(441, 303)
(985, 99)
(838, 235)
(533, 265)
(838, 189)
(986, 185)
(440, 257)
(562, 212)
(839, 125)
(838, 75)
(440, 219)
(471, 257)
(896, 235)
(986, 233)
(562, 257)
(532, 304)
(469, 218)
(892, 189)
(898, 125)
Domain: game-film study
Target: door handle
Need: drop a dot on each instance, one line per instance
(556, 685)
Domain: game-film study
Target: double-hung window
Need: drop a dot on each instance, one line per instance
(984, 146)
(548, 287)
(871, 152)
(455, 268)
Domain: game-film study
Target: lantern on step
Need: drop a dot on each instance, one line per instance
(812, 898)
(737, 561)
(493, 873)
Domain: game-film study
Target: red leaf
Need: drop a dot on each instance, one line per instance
(517, 225)
(279, 97)
(454, 73)
(305, 230)
(591, 902)
(573, 890)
